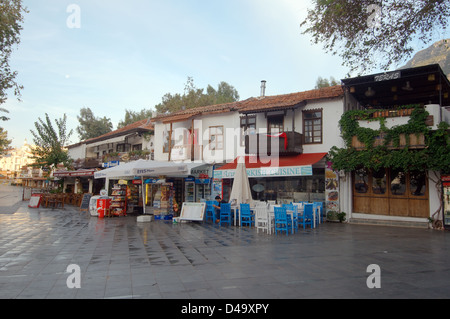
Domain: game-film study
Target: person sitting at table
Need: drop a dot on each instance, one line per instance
(217, 208)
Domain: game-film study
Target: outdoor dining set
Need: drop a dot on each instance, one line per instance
(55, 200)
(267, 216)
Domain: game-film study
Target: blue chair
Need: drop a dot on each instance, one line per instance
(307, 218)
(210, 210)
(294, 220)
(318, 207)
(225, 214)
(281, 220)
(245, 215)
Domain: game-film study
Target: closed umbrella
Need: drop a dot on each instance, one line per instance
(240, 193)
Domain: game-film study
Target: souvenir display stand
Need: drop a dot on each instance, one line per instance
(133, 197)
(160, 200)
(119, 200)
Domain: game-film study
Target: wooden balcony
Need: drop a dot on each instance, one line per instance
(88, 162)
(416, 141)
(289, 143)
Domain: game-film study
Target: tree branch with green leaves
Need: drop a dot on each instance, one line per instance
(370, 34)
(50, 143)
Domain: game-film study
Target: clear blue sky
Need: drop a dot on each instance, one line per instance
(128, 54)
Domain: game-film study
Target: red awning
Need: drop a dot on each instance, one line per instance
(282, 161)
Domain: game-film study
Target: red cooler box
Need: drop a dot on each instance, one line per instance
(102, 204)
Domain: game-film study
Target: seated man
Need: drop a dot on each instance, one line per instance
(217, 208)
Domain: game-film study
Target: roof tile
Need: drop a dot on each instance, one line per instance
(255, 104)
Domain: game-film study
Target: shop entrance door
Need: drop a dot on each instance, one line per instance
(390, 192)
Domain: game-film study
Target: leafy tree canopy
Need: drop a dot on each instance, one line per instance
(91, 126)
(371, 34)
(50, 143)
(323, 82)
(195, 97)
(132, 117)
(11, 19)
(4, 141)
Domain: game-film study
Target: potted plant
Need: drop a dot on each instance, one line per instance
(332, 216)
(341, 217)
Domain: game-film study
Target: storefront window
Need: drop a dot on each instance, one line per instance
(361, 181)
(417, 183)
(288, 189)
(379, 181)
(398, 182)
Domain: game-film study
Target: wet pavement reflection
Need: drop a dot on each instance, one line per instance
(122, 258)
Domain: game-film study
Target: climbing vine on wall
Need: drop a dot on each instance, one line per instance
(434, 156)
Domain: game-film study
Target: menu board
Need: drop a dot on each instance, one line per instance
(85, 201)
(35, 201)
(193, 211)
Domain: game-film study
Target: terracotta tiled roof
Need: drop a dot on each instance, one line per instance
(186, 114)
(290, 100)
(253, 104)
(139, 126)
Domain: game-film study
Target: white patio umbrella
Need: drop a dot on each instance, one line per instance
(241, 193)
(142, 168)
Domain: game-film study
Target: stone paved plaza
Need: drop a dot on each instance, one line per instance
(121, 258)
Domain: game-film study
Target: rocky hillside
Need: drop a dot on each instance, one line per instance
(438, 52)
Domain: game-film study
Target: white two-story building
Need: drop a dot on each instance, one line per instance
(131, 142)
(284, 139)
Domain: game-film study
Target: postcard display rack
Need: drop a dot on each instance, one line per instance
(119, 200)
(163, 201)
(133, 197)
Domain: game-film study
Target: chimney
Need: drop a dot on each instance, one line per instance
(263, 88)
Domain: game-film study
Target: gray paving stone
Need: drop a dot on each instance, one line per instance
(122, 259)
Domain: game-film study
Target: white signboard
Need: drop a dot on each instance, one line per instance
(193, 211)
(305, 170)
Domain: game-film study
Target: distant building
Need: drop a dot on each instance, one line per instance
(12, 163)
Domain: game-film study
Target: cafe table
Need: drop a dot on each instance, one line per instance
(235, 210)
(272, 215)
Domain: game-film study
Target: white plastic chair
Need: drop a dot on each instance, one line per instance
(262, 219)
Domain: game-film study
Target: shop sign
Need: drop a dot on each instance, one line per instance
(268, 172)
(79, 173)
(387, 76)
(202, 171)
(202, 181)
(110, 164)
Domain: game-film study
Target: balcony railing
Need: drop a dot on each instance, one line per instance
(286, 143)
(93, 162)
(88, 162)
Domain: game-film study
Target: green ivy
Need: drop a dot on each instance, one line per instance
(434, 156)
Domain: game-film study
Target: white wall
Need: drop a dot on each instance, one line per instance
(331, 111)
(231, 129)
(77, 152)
